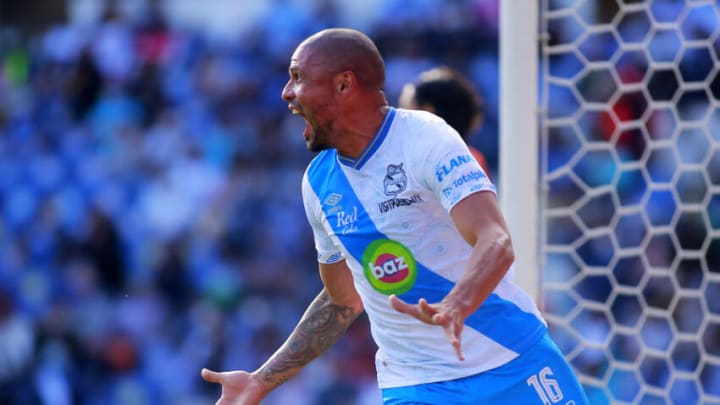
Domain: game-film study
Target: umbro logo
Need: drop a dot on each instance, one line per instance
(333, 199)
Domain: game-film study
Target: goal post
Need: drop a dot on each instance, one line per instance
(518, 174)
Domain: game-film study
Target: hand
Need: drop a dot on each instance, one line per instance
(238, 387)
(441, 314)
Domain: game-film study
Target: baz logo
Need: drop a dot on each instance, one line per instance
(389, 267)
(395, 180)
(443, 170)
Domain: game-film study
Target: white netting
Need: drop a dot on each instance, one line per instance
(630, 212)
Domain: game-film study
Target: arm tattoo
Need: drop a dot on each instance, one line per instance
(323, 323)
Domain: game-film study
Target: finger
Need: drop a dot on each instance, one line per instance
(457, 345)
(425, 308)
(458, 350)
(453, 334)
(403, 307)
(440, 319)
(211, 376)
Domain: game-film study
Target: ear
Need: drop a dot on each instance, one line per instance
(344, 82)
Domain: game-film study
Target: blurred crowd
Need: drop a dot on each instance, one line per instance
(151, 222)
(150, 214)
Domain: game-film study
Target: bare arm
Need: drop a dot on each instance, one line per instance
(481, 224)
(323, 323)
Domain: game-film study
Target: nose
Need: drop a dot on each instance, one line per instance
(287, 93)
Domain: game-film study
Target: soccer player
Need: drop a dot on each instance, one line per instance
(407, 228)
(451, 96)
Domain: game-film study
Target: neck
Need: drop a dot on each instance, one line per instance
(359, 132)
(359, 120)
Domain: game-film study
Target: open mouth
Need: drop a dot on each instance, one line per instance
(296, 111)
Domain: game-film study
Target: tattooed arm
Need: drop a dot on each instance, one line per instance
(324, 322)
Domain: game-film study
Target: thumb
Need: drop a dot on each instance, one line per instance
(398, 304)
(211, 376)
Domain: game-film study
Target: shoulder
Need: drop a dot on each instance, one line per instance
(417, 118)
(423, 133)
(424, 125)
(421, 129)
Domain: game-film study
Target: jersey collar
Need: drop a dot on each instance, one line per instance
(374, 144)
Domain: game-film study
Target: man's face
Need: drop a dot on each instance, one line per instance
(309, 93)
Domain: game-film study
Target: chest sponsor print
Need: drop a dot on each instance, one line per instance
(347, 221)
(389, 267)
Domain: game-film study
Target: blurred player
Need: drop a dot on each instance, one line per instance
(407, 228)
(451, 96)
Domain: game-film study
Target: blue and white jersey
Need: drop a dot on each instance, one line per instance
(387, 214)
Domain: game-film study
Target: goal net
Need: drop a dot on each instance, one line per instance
(630, 195)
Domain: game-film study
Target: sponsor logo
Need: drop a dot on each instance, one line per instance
(466, 178)
(394, 183)
(333, 199)
(387, 205)
(389, 267)
(334, 258)
(445, 169)
(459, 187)
(346, 221)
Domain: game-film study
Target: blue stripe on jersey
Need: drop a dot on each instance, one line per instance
(358, 163)
(498, 319)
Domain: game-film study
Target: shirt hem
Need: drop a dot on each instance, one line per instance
(533, 339)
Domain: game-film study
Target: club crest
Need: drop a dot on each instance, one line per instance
(395, 180)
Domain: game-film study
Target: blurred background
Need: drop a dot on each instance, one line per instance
(151, 222)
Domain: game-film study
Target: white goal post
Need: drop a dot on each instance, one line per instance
(519, 137)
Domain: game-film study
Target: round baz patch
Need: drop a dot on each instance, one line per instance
(389, 267)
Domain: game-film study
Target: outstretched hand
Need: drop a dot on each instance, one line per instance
(441, 314)
(238, 387)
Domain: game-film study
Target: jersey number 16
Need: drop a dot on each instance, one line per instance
(546, 387)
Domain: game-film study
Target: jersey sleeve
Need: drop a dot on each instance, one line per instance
(327, 250)
(450, 170)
